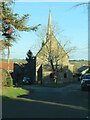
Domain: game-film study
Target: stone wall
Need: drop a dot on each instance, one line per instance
(46, 79)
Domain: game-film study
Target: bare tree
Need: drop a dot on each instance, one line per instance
(42, 30)
(57, 54)
(82, 4)
(85, 5)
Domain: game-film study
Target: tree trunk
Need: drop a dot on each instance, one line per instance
(8, 57)
(56, 65)
(52, 65)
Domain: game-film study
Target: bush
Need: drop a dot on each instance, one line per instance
(4, 75)
(6, 78)
(9, 80)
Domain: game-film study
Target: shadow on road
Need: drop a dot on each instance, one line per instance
(46, 103)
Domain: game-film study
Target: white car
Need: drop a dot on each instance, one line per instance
(85, 82)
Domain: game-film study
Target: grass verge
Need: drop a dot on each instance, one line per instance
(13, 93)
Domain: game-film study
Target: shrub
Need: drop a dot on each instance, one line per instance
(6, 78)
(9, 80)
(4, 75)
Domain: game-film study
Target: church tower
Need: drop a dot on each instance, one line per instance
(49, 28)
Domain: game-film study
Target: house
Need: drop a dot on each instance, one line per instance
(4, 65)
(51, 50)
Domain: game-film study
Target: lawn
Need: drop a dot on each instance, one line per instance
(12, 93)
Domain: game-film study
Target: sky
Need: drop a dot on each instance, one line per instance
(74, 22)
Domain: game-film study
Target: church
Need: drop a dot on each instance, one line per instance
(52, 56)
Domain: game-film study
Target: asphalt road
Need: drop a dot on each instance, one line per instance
(45, 102)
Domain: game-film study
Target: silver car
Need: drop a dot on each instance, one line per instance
(26, 80)
(85, 82)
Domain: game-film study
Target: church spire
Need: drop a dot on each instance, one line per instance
(42, 42)
(49, 28)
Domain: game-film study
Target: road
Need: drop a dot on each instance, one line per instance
(45, 102)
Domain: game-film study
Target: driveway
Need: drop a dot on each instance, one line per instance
(46, 102)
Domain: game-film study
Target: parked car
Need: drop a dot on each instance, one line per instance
(27, 80)
(85, 82)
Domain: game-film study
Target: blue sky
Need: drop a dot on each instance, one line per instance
(74, 22)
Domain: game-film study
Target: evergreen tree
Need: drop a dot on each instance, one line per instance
(11, 23)
(29, 56)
